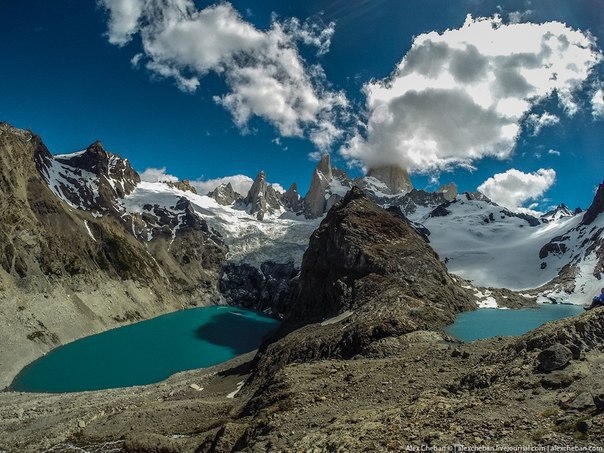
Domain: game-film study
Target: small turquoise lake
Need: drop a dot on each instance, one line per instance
(493, 322)
(148, 351)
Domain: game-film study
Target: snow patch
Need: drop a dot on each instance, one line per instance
(234, 392)
(88, 229)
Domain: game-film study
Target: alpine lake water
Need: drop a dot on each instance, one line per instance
(148, 351)
(493, 322)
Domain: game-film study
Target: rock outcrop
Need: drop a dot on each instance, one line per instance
(264, 289)
(292, 200)
(327, 187)
(314, 200)
(184, 185)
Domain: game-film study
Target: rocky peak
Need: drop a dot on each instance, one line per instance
(262, 198)
(292, 200)
(557, 213)
(479, 196)
(396, 178)
(596, 207)
(184, 185)
(327, 186)
(224, 194)
(93, 159)
(449, 191)
(324, 166)
(357, 244)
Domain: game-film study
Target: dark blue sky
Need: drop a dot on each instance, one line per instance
(60, 77)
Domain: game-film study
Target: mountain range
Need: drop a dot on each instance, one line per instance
(353, 268)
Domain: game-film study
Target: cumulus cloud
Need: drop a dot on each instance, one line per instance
(241, 184)
(264, 72)
(514, 188)
(553, 152)
(123, 21)
(464, 94)
(157, 175)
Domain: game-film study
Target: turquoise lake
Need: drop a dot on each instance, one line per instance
(148, 351)
(492, 322)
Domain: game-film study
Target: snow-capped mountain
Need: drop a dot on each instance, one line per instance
(557, 213)
(494, 247)
(477, 239)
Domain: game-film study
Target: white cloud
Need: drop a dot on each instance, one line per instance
(538, 122)
(241, 184)
(123, 20)
(278, 187)
(157, 175)
(264, 71)
(514, 188)
(597, 104)
(462, 95)
(553, 152)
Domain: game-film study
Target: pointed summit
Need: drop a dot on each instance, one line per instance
(396, 178)
(557, 213)
(261, 198)
(224, 194)
(324, 166)
(596, 207)
(314, 201)
(291, 199)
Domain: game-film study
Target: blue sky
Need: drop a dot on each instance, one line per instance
(160, 83)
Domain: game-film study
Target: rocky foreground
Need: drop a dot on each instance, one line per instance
(419, 388)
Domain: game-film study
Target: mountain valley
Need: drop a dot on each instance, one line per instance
(364, 275)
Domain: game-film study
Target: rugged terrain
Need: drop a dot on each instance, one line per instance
(419, 388)
(74, 264)
(360, 362)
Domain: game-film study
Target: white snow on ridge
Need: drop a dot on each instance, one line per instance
(278, 238)
(60, 178)
(480, 243)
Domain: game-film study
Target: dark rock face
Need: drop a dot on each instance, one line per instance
(371, 267)
(224, 194)
(358, 239)
(596, 207)
(555, 357)
(555, 246)
(265, 289)
(292, 200)
(314, 200)
(44, 239)
(92, 179)
(261, 198)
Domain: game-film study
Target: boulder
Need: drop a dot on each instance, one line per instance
(555, 357)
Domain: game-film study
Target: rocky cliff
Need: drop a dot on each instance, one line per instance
(367, 275)
(73, 263)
